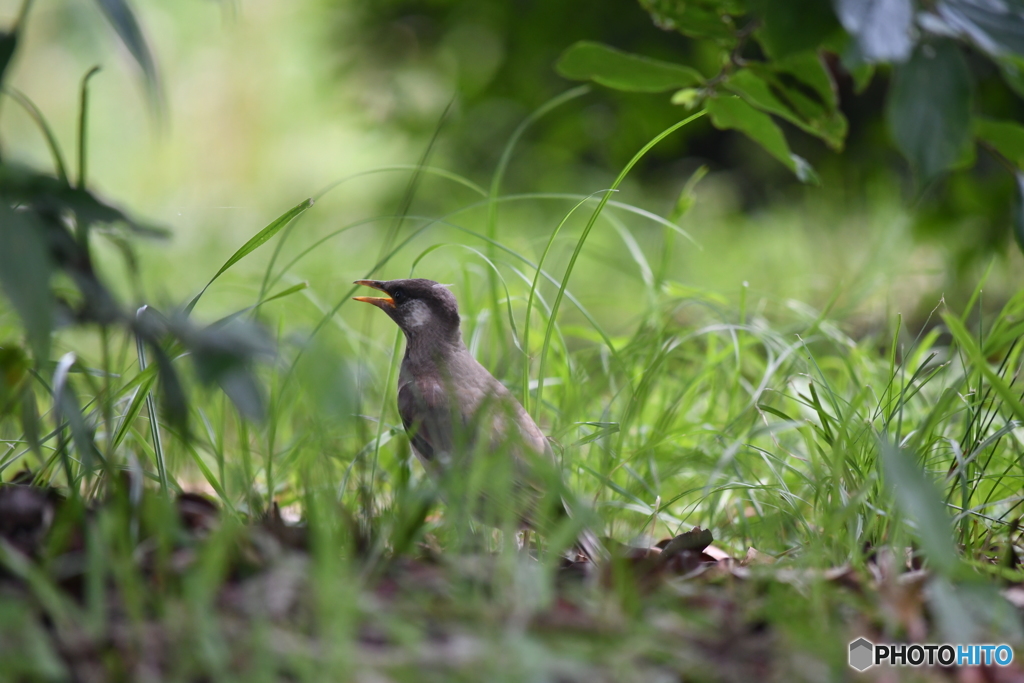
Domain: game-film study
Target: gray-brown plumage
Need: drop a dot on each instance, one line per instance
(448, 402)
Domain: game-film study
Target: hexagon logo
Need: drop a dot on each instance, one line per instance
(861, 654)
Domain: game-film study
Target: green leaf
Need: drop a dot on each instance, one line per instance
(696, 19)
(121, 16)
(794, 26)
(68, 407)
(764, 90)
(623, 71)
(882, 28)
(1012, 69)
(51, 140)
(688, 97)
(994, 27)
(929, 109)
(810, 70)
(1007, 137)
(30, 421)
(730, 112)
(8, 45)
(687, 198)
(174, 401)
(224, 354)
(257, 240)
(24, 186)
(862, 75)
(920, 501)
(25, 266)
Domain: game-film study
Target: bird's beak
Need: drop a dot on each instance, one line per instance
(378, 301)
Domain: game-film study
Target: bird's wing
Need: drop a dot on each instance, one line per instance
(427, 417)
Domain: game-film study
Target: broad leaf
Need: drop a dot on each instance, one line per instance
(730, 112)
(225, 355)
(795, 26)
(55, 195)
(810, 70)
(995, 27)
(764, 90)
(623, 71)
(695, 18)
(921, 503)
(1007, 137)
(174, 402)
(929, 109)
(25, 267)
(882, 28)
(1012, 69)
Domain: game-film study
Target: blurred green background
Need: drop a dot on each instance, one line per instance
(268, 103)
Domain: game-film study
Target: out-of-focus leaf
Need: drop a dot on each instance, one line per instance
(174, 401)
(794, 26)
(688, 97)
(862, 76)
(969, 608)
(225, 355)
(8, 44)
(764, 90)
(122, 18)
(1018, 213)
(83, 121)
(1007, 137)
(67, 406)
(55, 195)
(882, 28)
(995, 27)
(613, 68)
(921, 503)
(30, 421)
(687, 198)
(257, 240)
(810, 70)
(14, 367)
(730, 112)
(25, 267)
(929, 108)
(245, 391)
(695, 18)
(330, 381)
(51, 140)
(1012, 69)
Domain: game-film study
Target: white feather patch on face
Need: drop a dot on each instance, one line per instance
(419, 314)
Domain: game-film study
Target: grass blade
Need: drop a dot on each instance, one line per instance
(258, 240)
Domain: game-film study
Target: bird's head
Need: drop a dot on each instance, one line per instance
(422, 308)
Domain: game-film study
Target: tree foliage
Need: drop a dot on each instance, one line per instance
(780, 61)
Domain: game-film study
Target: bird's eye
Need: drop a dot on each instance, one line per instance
(398, 296)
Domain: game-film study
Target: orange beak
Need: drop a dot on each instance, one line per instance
(378, 301)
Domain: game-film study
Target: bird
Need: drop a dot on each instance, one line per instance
(453, 408)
